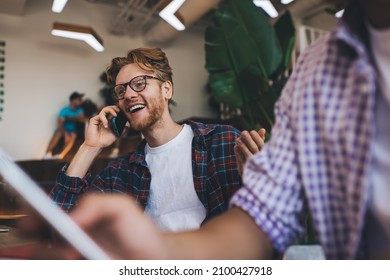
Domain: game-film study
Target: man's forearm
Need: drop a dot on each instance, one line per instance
(233, 235)
(82, 161)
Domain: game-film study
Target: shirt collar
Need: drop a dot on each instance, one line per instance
(200, 131)
(139, 155)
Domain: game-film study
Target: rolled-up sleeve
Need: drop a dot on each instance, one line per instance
(271, 194)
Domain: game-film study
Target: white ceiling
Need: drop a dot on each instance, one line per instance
(136, 16)
(12, 7)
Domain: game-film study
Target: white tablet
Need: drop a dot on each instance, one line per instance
(40, 201)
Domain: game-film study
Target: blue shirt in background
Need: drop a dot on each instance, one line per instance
(70, 126)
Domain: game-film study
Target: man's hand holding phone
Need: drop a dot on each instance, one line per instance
(100, 133)
(118, 123)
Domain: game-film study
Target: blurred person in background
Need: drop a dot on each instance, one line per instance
(66, 127)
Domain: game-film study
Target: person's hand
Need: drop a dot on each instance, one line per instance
(247, 145)
(119, 226)
(115, 222)
(99, 133)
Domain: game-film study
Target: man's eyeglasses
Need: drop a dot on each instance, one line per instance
(137, 84)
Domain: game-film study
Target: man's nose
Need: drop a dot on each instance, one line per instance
(130, 93)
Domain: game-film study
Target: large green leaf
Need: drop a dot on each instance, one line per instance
(228, 54)
(228, 48)
(217, 57)
(242, 52)
(259, 31)
(223, 84)
(285, 30)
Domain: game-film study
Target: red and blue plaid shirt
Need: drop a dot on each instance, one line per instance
(214, 169)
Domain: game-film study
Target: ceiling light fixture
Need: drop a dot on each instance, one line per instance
(267, 6)
(170, 15)
(340, 13)
(58, 5)
(286, 2)
(77, 32)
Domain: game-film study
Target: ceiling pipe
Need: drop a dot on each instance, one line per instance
(190, 11)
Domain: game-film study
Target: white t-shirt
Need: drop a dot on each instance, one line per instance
(173, 203)
(378, 234)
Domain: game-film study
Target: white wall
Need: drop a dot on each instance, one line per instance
(42, 70)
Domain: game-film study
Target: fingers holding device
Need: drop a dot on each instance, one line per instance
(118, 123)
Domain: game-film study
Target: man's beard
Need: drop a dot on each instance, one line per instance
(155, 110)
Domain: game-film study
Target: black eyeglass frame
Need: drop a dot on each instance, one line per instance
(144, 77)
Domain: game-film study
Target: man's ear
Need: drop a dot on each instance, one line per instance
(167, 90)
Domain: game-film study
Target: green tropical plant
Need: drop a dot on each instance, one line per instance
(247, 59)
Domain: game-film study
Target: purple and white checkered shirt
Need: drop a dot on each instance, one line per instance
(319, 153)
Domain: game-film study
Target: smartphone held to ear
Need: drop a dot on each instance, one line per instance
(118, 123)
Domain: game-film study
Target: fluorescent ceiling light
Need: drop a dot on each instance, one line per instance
(340, 13)
(267, 6)
(77, 32)
(285, 2)
(58, 5)
(168, 14)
